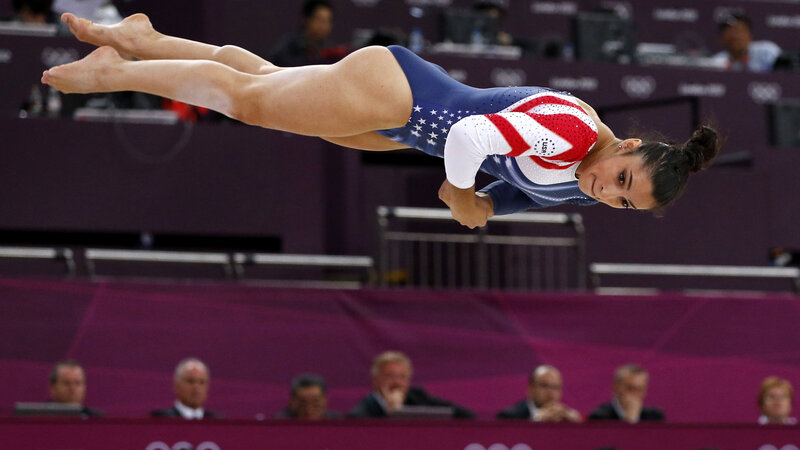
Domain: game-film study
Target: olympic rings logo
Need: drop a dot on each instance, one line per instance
(508, 77)
(182, 445)
(476, 446)
(638, 87)
(764, 92)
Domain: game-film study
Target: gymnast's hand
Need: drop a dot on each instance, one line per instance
(468, 208)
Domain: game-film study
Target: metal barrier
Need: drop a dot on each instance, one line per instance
(41, 253)
(350, 271)
(444, 254)
(233, 265)
(791, 273)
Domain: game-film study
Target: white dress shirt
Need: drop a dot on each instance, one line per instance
(187, 412)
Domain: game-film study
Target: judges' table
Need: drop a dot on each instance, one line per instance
(386, 435)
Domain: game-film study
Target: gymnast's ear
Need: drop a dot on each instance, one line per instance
(628, 145)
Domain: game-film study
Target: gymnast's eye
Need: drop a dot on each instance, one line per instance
(624, 203)
(622, 178)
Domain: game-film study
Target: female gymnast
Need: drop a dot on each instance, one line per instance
(545, 147)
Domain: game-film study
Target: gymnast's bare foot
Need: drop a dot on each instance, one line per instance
(128, 36)
(93, 73)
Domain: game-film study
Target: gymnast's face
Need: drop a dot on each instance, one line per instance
(620, 179)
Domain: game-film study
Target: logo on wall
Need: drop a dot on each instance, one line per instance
(702, 90)
(638, 87)
(57, 56)
(783, 21)
(508, 77)
(574, 84)
(565, 8)
(676, 14)
(182, 445)
(772, 447)
(475, 446)
(763, 92)
(366, 3)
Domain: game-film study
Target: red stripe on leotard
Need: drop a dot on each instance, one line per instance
(548, 99)
(510, 134)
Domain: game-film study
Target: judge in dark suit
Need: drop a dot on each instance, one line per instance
(68, 386)
(308, 400)
(543, 404)
(191, 387)
(630, 389)
(392, 390)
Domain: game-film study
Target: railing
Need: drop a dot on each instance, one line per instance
(319, 270)
(57, 254)
(789, 273)
(440, 253)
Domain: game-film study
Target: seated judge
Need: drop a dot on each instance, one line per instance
(630, 389)
(191, 383)
(775, 402)
(308, 400)
(543, 404)
(68, 386)
(391, 390)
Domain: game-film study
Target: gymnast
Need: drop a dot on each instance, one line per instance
(545, 147)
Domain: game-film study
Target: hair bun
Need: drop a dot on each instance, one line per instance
(701, 148)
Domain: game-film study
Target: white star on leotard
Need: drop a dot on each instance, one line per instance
(417, 109)
(444, 112)
(433, 135)
(414, 132)
(433, 112)
(433, 125)
(432, 142)
(422, 121)
(418, 127)
(441, 118)
(449, 122)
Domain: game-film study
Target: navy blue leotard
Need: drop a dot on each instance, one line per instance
(530, 138)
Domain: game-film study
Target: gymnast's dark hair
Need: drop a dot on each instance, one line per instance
(671, 164)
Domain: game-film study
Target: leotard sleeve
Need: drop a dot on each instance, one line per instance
(550, 128)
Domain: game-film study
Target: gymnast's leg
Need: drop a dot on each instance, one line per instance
(135, 36)
(366, 91)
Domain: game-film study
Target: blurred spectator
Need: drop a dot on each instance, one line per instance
(497, 9)
(68, 386)
(308, 400)
(34, 11)
(544, 399)
(740, 50)
(775, 402)
(307, 46)
(392, 390)
(191, 387)
(630, 389)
